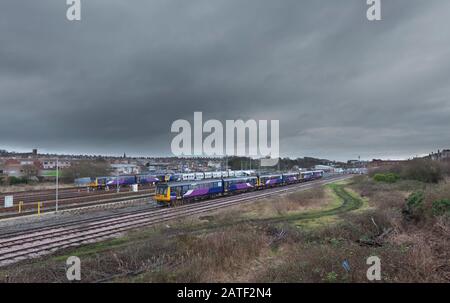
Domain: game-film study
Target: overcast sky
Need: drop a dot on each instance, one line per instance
(340, 85)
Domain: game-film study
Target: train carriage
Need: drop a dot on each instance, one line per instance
(290, 178)
(199, 176)
(100, 182)
(122, 181)
(239, 173)
(173, 177)
(147, 179)
(188, 177)
(306, 175)
(270, 180)
(217, 174)
(169, 193)
(239, 184)
(317, 174)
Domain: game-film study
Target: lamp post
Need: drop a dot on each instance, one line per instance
(117, 181)
(57, 184)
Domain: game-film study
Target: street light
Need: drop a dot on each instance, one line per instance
(117, 181)
(57, 184)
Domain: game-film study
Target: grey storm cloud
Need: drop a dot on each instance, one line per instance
(114, 82)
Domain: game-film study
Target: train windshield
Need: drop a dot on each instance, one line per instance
(161, 190)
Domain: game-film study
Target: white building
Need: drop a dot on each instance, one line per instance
(325, 168)
(125, 169)
(51, 164)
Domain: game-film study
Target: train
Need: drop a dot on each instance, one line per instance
(208, 175)
(173, 193)
(103, 182)
(144, 179)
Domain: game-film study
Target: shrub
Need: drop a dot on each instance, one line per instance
(388, 177)
(422, 170)
(414, 205)
(15, 180)
(331, 277)
(415, 200)
(440, 207)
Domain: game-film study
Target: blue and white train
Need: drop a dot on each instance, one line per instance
(171, 193)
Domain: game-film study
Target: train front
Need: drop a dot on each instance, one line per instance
(162, 193)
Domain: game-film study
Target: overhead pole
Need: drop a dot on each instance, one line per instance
(57, 184)
(117, 181)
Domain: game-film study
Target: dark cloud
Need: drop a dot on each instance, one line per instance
(341, 86)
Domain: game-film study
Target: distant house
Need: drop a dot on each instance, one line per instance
(12, 168)
(51, 164)
(125, 169)
(443, 155)
(20, 167)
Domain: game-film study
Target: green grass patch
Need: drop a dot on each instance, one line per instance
(388, 177)
(344, 202)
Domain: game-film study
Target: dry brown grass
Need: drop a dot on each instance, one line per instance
(214, 257)
(406, 256)
(286, 204)
(425, 242)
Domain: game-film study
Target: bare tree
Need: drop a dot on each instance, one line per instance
(29, 171)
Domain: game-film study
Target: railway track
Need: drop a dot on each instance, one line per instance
(78, 203)
(37, 191)
(30, 197)
(50, 205)
(36, 242)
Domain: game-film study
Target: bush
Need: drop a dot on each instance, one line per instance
(388, 178)
(422, 170)
(414, 205)
(15, 180)
(415, 200)
(440, 207)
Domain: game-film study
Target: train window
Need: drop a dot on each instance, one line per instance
(161, 190)
(176, 190)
